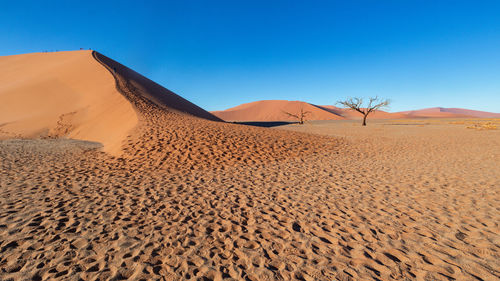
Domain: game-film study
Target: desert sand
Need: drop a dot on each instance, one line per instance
(192, 198)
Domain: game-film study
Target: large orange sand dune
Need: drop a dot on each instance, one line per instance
(72, 95)
(64, 94)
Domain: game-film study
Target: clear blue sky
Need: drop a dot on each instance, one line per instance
(219, 54)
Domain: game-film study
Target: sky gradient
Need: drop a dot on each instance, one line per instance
(219, 54)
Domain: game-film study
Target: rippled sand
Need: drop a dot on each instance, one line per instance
(194, 199)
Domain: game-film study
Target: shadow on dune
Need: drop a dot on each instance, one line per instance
(144, 88)
(332, 111)
(265, 124)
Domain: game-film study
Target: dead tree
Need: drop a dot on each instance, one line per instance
(357, 104)
(301, 116)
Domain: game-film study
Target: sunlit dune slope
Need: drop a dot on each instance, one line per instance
(275, 110)
(62, 94)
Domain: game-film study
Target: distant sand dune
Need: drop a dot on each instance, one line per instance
(449, 113)
(275, 110)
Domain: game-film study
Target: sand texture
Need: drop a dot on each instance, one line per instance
(195, 199)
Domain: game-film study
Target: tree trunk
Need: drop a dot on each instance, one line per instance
(364, 119)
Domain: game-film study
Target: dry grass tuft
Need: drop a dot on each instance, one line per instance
(479, 124)
(471, 123)
(483, 126)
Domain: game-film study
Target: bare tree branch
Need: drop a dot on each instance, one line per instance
(291, 115)
(353, 104)
(356, 104)
(301, 116)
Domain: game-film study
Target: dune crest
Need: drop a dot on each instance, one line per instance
(274, 110)
(63, 94)
(434, 112)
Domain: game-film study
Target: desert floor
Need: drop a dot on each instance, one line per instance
(192, 199)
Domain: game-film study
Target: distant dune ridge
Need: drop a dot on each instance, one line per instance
(273, 110)
(452, 112)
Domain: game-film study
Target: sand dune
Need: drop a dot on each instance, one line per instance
(449, 113)
(71, 95)
(274, 110)
(194, 199)
(65, 94)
